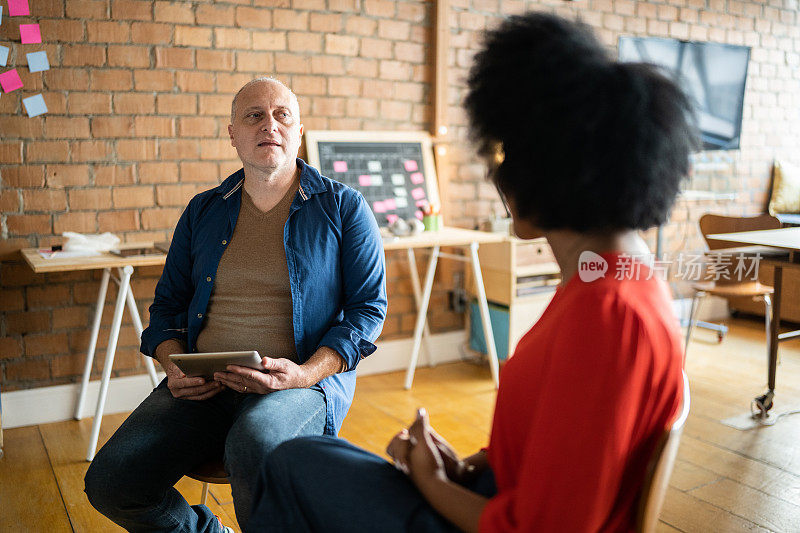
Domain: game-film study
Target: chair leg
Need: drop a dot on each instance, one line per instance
(204, 497)
(690, 325)
(768, 323)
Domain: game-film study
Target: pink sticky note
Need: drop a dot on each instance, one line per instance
(340, 166)
(416, 178)
(365, 180)
(391, 218)
(379, 207)
(390, 204)
(29, 33)
(418, 214)
(10, 81)
(421, 203)
(418, 193)
(410, 165)
(17, 8)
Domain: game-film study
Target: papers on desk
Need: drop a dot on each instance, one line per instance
(62, 254)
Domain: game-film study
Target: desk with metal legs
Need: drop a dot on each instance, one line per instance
(124, 269)
(434, 240)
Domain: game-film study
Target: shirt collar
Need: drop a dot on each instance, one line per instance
(311, 181)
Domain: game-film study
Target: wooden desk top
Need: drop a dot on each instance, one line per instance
(104, 260)
(784, 238)
(446, 236)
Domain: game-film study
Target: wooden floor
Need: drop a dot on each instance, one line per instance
(724, 479)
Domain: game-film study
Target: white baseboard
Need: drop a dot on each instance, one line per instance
(57, 403)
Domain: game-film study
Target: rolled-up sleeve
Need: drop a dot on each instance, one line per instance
(364, 284)
(174, 291)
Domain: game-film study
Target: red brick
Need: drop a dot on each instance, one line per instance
(131, 10)
(300, 41)
(199, 171)
(83, 55)
(330, 65)
(90, 151)
(248, 17)
(70, 317)
(232, 38)
(344, 87)
(136, 150)
(23, 176)
(400, 111)
(219, 105)
(415, 12)
(341, 45)
(362, 68)
(68, 365)
(9, 201)
(66, 79)
(175, 195)
(111, 80)
(269, 40)
(178, 149)
(214, 60)
(151, 33)
(21, 127)
(27, 322)
(168, 11)
(258, 62)
(194, 82)
(9, 348)
(361, 26)
(133, 103)
(154, 126)
(82, 222)
(215, 15)
(11, 152)
(325, 22)
(27, 224)
(89, 199)
(50, 8)
(344, 5)
(287, 19)
(141, 196)
(292, 64)
(157, 172)
(66, 128)
(197, 127)
(309, 85)
(88, 103)
(309, 5)
(379, 8)
(43, 151)
(44, 200)
(394, 29)
(18, 274)
(28, 370)
(231, 83)
(112, 126)
(12, 300)
(377, 48)
(176, 104)
(113, 175)
(192, 36)
(174, 58)
(395, 70)
(108, 32)
(410, 52)
(328, 107)
(216, 149)
(60, 30)
(128, 56)
(87, 9)
(118, 220)
(50, 295)
(160, 218)
(153, 80)
(362, 107)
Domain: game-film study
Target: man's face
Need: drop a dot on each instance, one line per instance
(266, 129)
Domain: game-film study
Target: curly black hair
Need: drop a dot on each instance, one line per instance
(589, 144)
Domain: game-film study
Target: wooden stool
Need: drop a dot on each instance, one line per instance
(210, 472)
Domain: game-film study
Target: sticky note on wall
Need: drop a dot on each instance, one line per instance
(340, 166)
(29, 33)
(18, 8)
(3, 55)
(10, 81)
(410, 165)
(34, 105)
(37, 61)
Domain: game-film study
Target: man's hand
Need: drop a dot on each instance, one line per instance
(280, 374)
(179, 385)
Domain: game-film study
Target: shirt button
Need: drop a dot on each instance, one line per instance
(224, 241)
(208, 278)
(199, 315)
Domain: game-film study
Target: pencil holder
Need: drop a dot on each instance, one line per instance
(432, 222)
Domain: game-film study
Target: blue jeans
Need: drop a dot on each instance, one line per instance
(327, 484)
(131, 478)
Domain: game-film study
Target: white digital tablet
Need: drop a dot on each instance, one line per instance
(205, 364)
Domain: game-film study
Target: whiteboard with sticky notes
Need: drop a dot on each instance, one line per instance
(394, 170)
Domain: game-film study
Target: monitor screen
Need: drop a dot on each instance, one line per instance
(712, 74)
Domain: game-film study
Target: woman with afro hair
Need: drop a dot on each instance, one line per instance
(586, 151)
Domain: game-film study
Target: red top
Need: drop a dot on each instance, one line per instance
(589, 391)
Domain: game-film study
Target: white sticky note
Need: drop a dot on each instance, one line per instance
(34, 105)
(37, 61)
(401, 203)
(1, 14)
(3, 55)
(398, 179)
(400, 192)
(377, 179)
(374, 166)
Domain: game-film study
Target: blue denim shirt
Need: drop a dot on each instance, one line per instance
(336, 266)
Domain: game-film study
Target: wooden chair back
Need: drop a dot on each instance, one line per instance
(724, 224)
(660, 468)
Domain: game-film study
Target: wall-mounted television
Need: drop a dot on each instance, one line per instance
(712, 74)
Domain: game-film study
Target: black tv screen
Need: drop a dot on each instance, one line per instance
(712, 74)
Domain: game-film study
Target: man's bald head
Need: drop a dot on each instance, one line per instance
(265, 79)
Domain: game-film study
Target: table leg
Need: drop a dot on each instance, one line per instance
(137, 325)
(426, 333)
(422, 316)
(87, 367)
(775, 326)
(484, 307)
(124, 286)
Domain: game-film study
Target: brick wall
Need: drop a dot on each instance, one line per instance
(139, 94)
